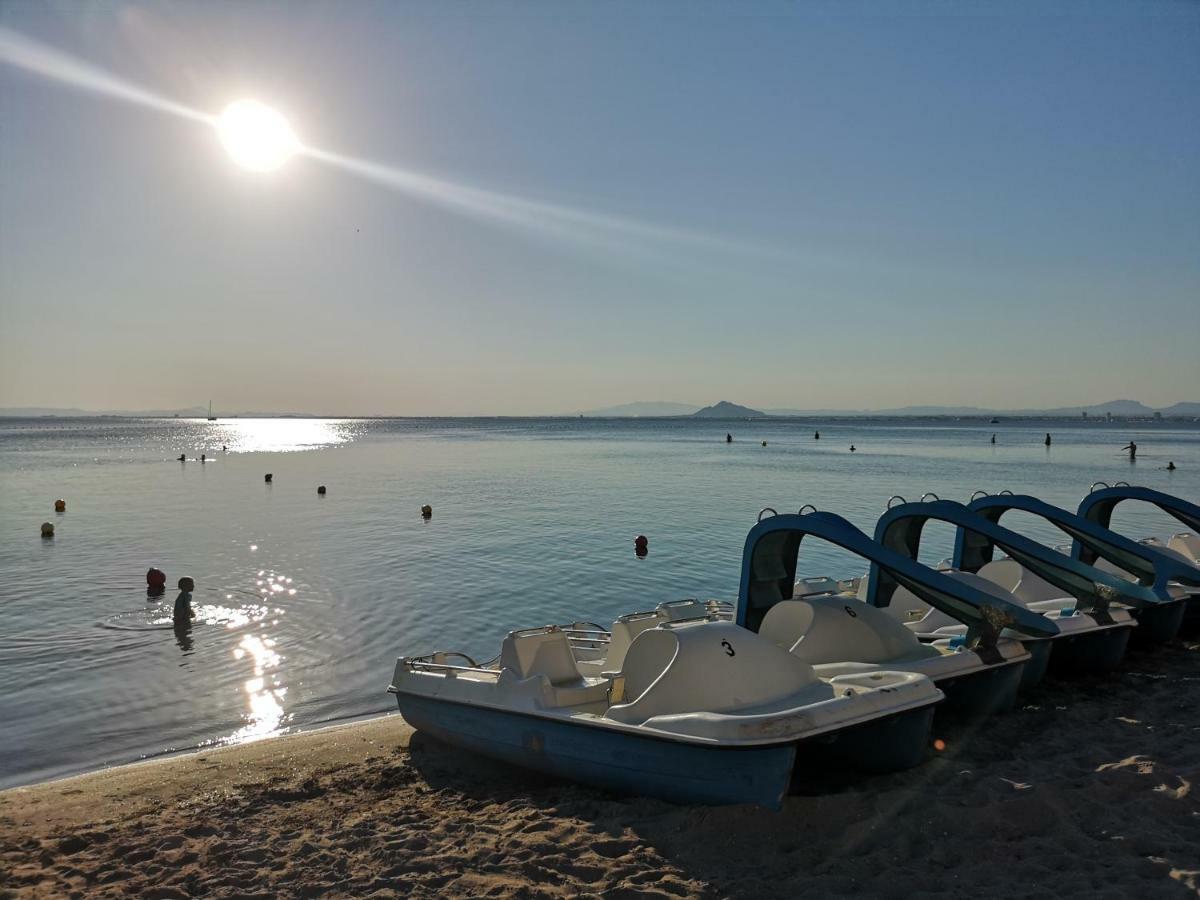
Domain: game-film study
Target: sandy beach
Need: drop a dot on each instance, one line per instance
(1087, 790)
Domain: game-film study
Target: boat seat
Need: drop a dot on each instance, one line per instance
(624, 631)
(710, 667)
(830, 629)
(819, 585)
(1187, 544)
(1005, 572)
(545, 652)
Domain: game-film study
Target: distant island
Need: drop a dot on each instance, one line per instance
(723, 409)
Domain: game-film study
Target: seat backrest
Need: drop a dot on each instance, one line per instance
(705, 667)
(1005, 572)
(825, 629)
(1186, 543)
(541, 651)
(819, 585)
(624, 630)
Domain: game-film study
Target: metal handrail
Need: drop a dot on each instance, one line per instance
(978, 494)
(766, 509)
(1094, 483)
(929, 494)
(895, 497)
(806, 506)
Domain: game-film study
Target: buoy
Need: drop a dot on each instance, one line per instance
(156, 580)
(321, 490)
(267, 479)
(60, 505)
(641, 545)
(47, 530)
(186, 584)
(427, 511)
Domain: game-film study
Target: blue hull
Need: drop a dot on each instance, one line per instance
(1097, 651)
(983, 693)
(1039, 662)
(618, 761)
(1158, 624)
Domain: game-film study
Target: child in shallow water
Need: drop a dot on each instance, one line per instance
(184, 613)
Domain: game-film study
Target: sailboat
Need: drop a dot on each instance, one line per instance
(211, 417)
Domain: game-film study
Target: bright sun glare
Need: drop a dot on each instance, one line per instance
(255, 136)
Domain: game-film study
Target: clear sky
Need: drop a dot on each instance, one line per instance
(803, 205)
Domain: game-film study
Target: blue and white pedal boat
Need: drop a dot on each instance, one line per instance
(698, 710)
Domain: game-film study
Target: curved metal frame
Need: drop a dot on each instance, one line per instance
(1152, 568)
(1098, 506)
(780, 537)
(899, 529)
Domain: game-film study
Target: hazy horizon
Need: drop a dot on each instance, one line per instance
(523, 209)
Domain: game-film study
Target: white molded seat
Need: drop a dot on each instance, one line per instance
(710, 667)
(830, 629)
(544, 652)
(1187, 544)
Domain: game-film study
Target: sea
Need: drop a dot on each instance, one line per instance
(303, 601)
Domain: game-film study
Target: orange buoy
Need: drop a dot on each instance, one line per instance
(156, 580)
(60, 505)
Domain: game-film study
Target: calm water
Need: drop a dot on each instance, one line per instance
(303, 602)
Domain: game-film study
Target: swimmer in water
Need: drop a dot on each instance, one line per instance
(852, 448)
(816, 435)
(1170, 467)
(203, 457)
(993, 439)
(183, 457)
(1047, 441)
(729, 438)
(1132, 448)
(183, 613)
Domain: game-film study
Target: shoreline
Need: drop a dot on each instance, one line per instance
(1085, 789)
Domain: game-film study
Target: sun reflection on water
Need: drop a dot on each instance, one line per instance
(265, 715)
(283, 435)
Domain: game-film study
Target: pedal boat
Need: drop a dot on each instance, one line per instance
(1158, 608)
(1085, 603)
(816, 620)
(700, 711)
(1183, 547)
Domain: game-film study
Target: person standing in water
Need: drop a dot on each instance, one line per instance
(1047, 441)
(816, 435)
(1132, 448)
(993, 438)
(183, 613)
(729, 438)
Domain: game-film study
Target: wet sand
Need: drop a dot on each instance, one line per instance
(1087, 790)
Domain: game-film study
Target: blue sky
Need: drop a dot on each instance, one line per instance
(816, 205)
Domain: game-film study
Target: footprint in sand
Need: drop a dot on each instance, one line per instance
(1141, 764)
(1176, 793)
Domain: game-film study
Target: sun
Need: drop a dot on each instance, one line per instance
(255, 136)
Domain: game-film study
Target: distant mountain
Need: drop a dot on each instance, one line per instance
(726, 410)
(1181, 409)
(644, 408)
